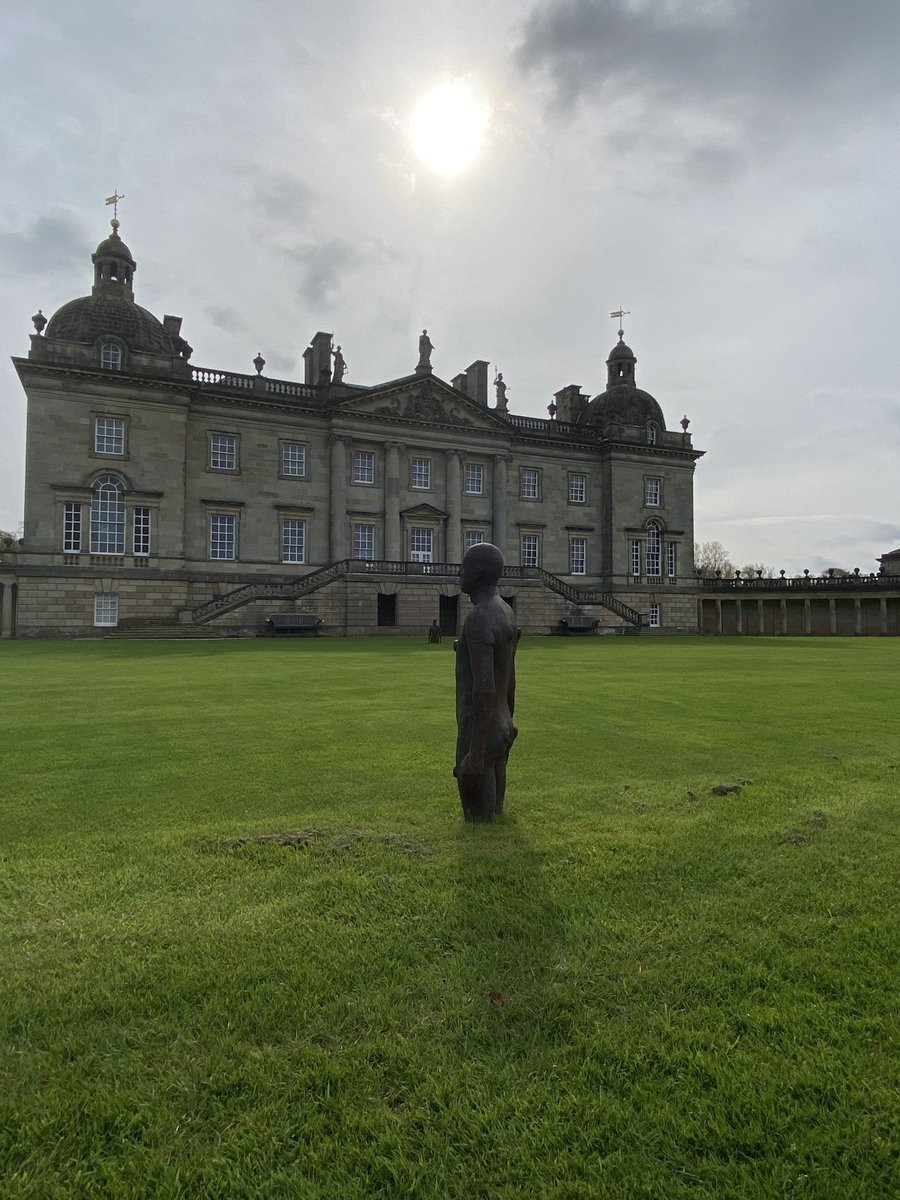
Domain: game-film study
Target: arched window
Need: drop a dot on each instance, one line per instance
(653, 552)
(108, 516)
(651, 434)
(111, 356)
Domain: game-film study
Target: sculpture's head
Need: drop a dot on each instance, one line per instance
(481, 564)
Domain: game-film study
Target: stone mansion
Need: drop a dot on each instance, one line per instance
(165, 497)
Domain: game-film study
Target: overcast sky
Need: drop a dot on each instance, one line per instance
(727, 170)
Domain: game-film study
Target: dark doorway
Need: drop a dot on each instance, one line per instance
(449, 614)
(511, 601)
(387, 609)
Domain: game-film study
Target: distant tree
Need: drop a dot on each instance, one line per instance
(7, 540)
(754, 567)
(711, 557)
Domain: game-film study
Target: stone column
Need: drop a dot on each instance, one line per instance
(6, 613)
(884, 616)
(739, 616)
(499, 510)
(453, 549)
(832, 616)
(392, 502)
(857, 605)
(760, 617)
(807, 616)
(338, 542)
(718, 616)
(783, 605)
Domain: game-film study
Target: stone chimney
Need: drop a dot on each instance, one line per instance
(570, 403)
(477, 382)
(317, 359)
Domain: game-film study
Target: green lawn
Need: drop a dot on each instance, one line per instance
(630, 987)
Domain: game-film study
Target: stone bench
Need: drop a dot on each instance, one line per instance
(293, 624)
(578, 624)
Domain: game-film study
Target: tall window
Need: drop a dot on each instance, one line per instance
(222, 537)
(111, 356)
(577, 556)
(223, 451)
(472, 537)
(364, 542)
(293, 458)
(653, 553)
(108, 516)
(474, 479)
(577, 489)
(654, 616)
(109, 435)
(72, 528)
(530, 550)
(635, 557)
(671, 560)
(363, 466)
(140, 531)
(106, 609)
(651, 435)
(293, 540)
(421, 545)
(420, 472)
(652, 492)
(530, 483)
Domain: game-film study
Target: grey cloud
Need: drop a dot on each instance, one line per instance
(324, 266)
(753, 58)
(279, 365)
(52, 244)
(226, 319)
(284, 198)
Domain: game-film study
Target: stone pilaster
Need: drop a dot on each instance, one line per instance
(453, 548)
(392, 502)
(499, 510)
(338, 547)
(6, 614)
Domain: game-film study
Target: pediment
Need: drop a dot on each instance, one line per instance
(424, 512)
(423, 400)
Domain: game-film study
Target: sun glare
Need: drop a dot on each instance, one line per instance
(447, 128)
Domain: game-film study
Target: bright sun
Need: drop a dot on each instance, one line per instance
(447, 128)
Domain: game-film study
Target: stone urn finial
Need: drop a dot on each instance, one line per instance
(39, 321)
(259, 362)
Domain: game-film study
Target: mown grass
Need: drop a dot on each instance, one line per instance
(628, 987)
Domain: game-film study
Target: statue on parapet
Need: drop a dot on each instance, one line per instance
(485, 686)
(425, 349)
(501, 391)
(340, 366)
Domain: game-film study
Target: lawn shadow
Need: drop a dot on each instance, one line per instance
(511, 935)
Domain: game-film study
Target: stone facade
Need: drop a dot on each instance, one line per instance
(154, 488)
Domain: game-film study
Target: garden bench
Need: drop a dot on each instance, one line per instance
(579, 624)
(291, 624)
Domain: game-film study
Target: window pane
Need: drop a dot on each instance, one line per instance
(421, 542)
(577, 555)
(654, 616)
(654, 549)
(671, 560)
(222, 537)
(108, 516)
(577, 489)
(474, 479)
(364, 541)
(223, 451)
(363, 466)
(530, 483)
(106, 610)
(652, 488)
(111, 356)
(420, 472)
(530, 550)
(635, 557)
(472, 537)
(293, 458)
(141, 531)
(72, 528)
(109, 435)
(293, 540)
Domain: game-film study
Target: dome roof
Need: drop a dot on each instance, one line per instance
(115, 247)
(620, 350)
(624, 404)
(87, 319)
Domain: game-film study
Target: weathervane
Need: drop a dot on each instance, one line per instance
(621, 313)
(114, 201)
